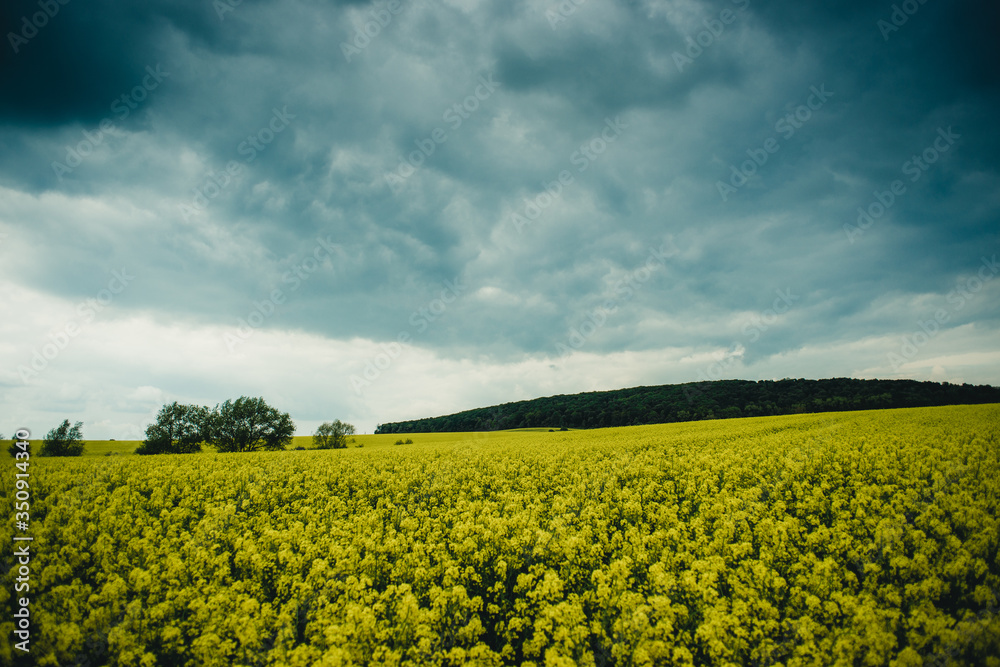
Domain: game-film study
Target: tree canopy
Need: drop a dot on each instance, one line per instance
(249, 425)
(13, 449)
(63, 440)
(701, 400)
(244, 425)
(179, 429)
(332, 435)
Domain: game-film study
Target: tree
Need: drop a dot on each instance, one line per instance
(64, 440)
(332, 435)
(179, 429)
(14, 449)
(248, 425)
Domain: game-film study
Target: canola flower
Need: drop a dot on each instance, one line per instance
(867, 538)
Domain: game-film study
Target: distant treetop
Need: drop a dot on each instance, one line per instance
(720, 399)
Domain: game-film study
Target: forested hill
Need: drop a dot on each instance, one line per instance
(701, 400)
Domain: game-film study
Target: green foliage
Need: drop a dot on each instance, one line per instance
(701, 400)
(332, 435)
(63, 440)
(13, 449)
(249, 425)
(179, 429)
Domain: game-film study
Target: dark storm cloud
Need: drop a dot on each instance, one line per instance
(355, 119)
(68, 63)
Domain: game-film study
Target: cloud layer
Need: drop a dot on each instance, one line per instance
(380, 211)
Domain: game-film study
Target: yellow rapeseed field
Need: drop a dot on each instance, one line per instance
(865, 538)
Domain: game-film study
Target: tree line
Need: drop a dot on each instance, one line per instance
(242, 425)
(694, 401)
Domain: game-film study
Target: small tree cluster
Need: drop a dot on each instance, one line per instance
(250, 425)
(13, 449)
(332, 435)
(63, 440)
(179, 429)
(244, 425)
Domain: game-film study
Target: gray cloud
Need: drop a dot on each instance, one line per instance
(207, 248)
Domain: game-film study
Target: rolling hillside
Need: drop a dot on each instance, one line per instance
(701, 400)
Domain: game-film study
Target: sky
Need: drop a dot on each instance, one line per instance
(377, 211)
